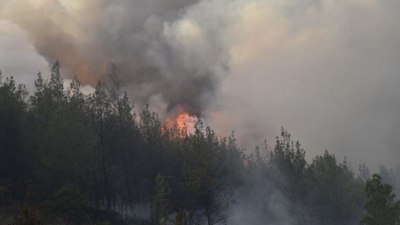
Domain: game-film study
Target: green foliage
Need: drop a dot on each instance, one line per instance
(91, 158)
(324, 190)
(380, 205)
(334, 192)
(289, 165)
(161, 198)
(207, 161)
(13, 117)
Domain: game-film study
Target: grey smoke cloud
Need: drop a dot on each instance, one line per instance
(18, 56)
(326, 70)
(261, 204)
(88, 36)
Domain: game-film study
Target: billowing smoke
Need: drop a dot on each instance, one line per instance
(326, 70)
(262, 203)
(158, 54)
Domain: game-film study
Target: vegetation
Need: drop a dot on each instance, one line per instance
(380, 205)
(70, 158)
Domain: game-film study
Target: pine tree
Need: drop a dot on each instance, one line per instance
(380, 205)
(161, 199)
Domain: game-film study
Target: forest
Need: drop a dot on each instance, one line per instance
(70, 158)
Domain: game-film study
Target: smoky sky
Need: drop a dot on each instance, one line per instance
(326, 70)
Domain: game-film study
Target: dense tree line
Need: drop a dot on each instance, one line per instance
(70, 158)
(381, 207)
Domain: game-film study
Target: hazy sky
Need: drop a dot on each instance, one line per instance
(326, 70)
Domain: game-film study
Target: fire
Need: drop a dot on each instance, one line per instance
(183, 122)
(186, 121)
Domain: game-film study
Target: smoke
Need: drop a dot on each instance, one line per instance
(326, 70)
(18, 57)
(154, 55)
(262, 203)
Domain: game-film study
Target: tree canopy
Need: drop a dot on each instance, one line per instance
(73, 158)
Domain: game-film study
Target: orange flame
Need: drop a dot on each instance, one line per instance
(183, 122)
(186, 121)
